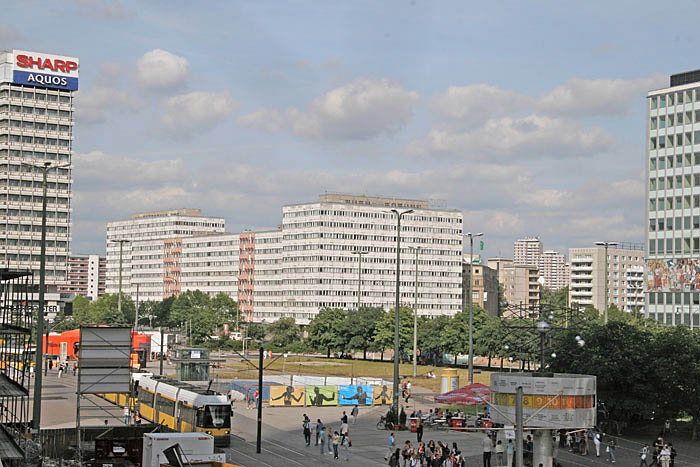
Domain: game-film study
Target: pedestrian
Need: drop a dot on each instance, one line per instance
(673, 454)
(60, 370)
(319, 425)
(643, 454)
(348, 445)
(137, 417)
(329, 435)
(510, 451)
(355, 412)
(611, 450)
(50, 364)
(336, 441)
(419, 430)
(126, 415)
(499, 452)
(306, 426)
(256, 397)
(596, 442)
(392, 445)
(406, 453)
(344, 418)
(322, 439)
(394, 458)
(665, 456)
(408, 391)
(343, 432)
(106, 422)
(75, 368)
(487, 444)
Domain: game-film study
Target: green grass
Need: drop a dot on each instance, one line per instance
(316, 366)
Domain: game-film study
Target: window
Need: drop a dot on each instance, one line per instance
(678, 245)
(652, 225)
(652, 246)
(662, 163)
(652, 184)
(653, 123)
(653, 102)
(652, 143)
(652, 164)
(679, 97)
(661, 224)
(688, 118)
(660, 246)
(662, 101)
(696, 222)
(662, 142)
(686, 222)
(670, 120)
(669, 183)
(670, 99)
(662, 122)
(679, 118)
(652, 205)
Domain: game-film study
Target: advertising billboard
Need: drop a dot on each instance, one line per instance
(45, 70)
(105, 358)
(673, 275)
(287, 396)
(382, 395)
(321, 395)
(355, 394)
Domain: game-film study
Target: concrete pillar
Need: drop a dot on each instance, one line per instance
(542, 447)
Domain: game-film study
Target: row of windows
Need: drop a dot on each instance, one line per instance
(680, 97)
(355, 226)
(11, 228)
(673, 245)
(678, 202)
(681, 160)
(31, 125)
(678, 223)
(370, 215)
(41, 111)
(36, 184)
(27, 139)
(36, 94)
(679, 181)
(146, 225)
(368, 249)
(32, 243)
(680, 139)
(41, 155)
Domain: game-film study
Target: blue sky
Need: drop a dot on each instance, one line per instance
(528, 116)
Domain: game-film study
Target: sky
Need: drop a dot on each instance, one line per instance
(527, 116)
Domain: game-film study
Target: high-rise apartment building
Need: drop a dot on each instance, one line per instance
(36, 128)
(309, 262)
(554, 270)
(673, 200)
(527, 251)
(521, 286)
(147, 256)
(588, 274)
(87, 276)
(484, 286)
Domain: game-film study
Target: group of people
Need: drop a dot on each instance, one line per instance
(663, 454)
(327, 438)
(430, 455)
(62, 367)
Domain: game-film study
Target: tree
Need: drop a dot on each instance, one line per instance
(433, 336)
(325, 330)
(384, 333)
(284, 332)
(255, 331)
(557, 298)
(488, 340)
(194, 307)
(105, 310)
(358, 328)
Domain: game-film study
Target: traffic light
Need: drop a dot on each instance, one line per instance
(481, 244)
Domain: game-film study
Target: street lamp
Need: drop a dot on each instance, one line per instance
(399, 215)
(606, 245)
(38, 382)
(415, 314)
(471, 303)
(543, 328)
(121, 243)
(359, 254)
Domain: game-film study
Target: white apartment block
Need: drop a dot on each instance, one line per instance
(634, 296)
(86, 276)
(36, 127)
(527, 251)
(673, 197)
(588, 275)
(144, 253)
(309, 262)
(554, 270)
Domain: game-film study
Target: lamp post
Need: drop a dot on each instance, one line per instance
(543, 328)
(359, 254)
(121, 243)
(38, 381)
(606, 245)
(471, 303)
(399, 215)
(415, 314)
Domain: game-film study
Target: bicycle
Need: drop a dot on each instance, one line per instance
(384, 424)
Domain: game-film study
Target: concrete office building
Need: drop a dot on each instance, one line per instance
(673, 200)
(520, 282)
(36, 127)
(484, 286)
(554, 270)
(527, 251)
(634, 294)
(309, 262)
(588, 274)
(144, 253)
(87, 276)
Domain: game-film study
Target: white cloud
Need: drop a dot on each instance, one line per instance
(160, 70)
(99, 103)
(100, 171)
(505, 138)
(474, 104)
(197, 110)
(9, 36)
(362, 109)
(584, 97)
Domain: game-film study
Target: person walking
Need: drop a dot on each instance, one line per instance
(347, 445)
(336, 441)
(487, 444)
(611, 450)
(419, 430)
(319, 425)
(344, 418)
(673, 454)
(394, 458)
(643, 454)
(322, 438)
(596, 442)
(392, 446)
(306, 426)
(510, 451)
(355, 412)
(499, 453)
(344, 430)
(60, 370)
(665, 456)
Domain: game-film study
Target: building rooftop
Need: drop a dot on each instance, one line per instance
(171, 212)
(373, 201)
(686, 77)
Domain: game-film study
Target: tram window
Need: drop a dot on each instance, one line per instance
(145, 397)
(166, 406)
(214, 416)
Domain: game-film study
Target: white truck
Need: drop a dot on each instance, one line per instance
(196, 447)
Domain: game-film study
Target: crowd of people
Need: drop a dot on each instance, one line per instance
(329, 439)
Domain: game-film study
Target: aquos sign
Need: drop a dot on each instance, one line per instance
(45, 70)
